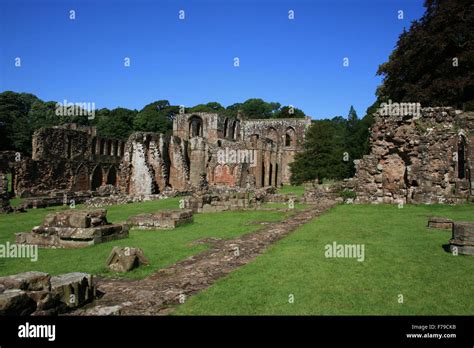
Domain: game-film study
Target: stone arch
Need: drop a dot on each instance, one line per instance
(112, 176)
(93, 146)
(226, 126)
(462, 158)
(101, 147)
(109, 147)
(270, 175)
(195, 126)
(235, 129)
(81, 179)
(276, 174)
(290, 137)
(272, 134)
(97, 178)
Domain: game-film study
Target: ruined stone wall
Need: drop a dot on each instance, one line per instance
(74, 143)
(426, 158)
(191, 158)
(37, 178)
(210, 126)
(153, 162)
(287, 134)
(68, 157)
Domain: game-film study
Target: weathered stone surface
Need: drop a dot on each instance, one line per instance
(463, 238)
(73, 229)
(31, 281)
(73, 289)
(104, 310)
(124, 259)
(39, 294)
(68, 157)
(165, 219)
(440, 222)
(76, 218)
(426, 158)
(16, 302)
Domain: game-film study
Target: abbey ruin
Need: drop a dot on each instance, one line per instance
(72, 158)
(421, 158)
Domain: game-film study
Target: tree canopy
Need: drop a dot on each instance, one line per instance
(433, 62)
(22, 113)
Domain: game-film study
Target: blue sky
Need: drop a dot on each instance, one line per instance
(191, 61)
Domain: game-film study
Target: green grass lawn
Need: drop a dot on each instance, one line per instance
(162, 248)
(402, 257)
(297, 190)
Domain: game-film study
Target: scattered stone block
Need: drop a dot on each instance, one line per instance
(38, 293)
(73, 229)
(462, 239)
(165, 219)
(104, 310)
(124, 259)
(440, 222)
(73, 289)
(16, 302)
(30, 281)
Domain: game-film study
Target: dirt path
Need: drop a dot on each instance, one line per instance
(172, 285)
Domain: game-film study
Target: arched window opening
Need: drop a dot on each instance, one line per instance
(96, 181)
(195, 126)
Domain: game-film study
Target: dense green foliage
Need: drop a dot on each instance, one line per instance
(330, 148)
(21, 114)
(402, 256)
(433, 62)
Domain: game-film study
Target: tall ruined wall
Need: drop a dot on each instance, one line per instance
(153, 162)
(210, 126)
(75, 144)
(68, 157)
(287, 134)
(35, 178)
(426, 158)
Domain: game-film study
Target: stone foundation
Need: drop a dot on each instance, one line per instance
(73, 229)
(38, 293)
(209, 202)
(165, 219)
(462, 240)
(439, 222)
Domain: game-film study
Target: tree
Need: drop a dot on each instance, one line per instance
(15, 133)
(117, 123)
(155, 117)
(433, 62)
(330, 148)
(212, 107)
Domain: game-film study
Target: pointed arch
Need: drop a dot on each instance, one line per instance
(112, 176)
(97, 178)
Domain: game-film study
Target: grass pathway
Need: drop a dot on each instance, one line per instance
(158, 293)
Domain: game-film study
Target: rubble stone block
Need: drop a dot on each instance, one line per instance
(60, 230)
(125, 259)
(440, 222)
(16, 302)
(73, 289)
(463, 238)
(31, 281)
(165, 219)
